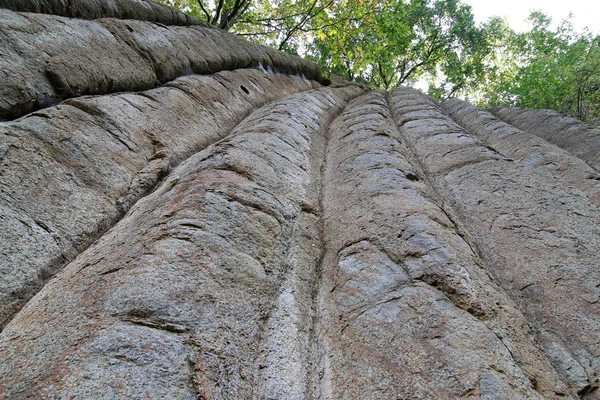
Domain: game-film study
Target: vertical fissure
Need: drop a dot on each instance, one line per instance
(414, 160)
(284, 367)
(318, 375)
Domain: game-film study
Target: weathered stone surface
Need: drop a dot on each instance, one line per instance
(143, 10)
(404, 301)
(248, 233)
(525, 148)
(537, 236)
(49, 58)
(67, 173)
(185, 284)
(580, 139)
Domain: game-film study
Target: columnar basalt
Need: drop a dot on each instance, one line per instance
(47, 58)
(187, 215)
(573, 135)
(537, 235)
(70, 172)
(398, 274)
(526, 148)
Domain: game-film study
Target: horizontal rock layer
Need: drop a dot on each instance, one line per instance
(244, 233)
(143, 10)
(46, 58)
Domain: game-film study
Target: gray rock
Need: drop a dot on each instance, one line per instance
(404, 301)
(525, 148)
(199, 218)
(195, 267)
(49, 58)
(143, 10)
(537, 236)
(68, 173)
(583, 140)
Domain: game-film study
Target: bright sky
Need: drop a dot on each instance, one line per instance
(586, 12)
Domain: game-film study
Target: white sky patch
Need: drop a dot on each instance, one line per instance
(585, 12)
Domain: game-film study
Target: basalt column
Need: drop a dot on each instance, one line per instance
(178, 299)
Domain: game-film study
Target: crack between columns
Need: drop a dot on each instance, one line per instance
(438, 200)
(480, 258)
(315, 378)
(457, 224)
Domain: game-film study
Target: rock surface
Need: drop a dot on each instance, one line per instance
(46, 58)
(200, 218)
(69, 172)
(143, 10)
(583, 140)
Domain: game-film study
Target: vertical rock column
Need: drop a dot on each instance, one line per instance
(404, 308)
(582, 140)
(68, 173)
(526, 149)
(177, 300)
(538, 237)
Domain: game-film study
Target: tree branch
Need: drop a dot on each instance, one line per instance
(307, 16)
(385, 81)
(204, 10)
(238, 9)
(218, 10)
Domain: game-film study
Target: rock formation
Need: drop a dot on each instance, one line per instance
(187, 215)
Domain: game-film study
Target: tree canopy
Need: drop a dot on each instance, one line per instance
(387, 43)
(544, 68)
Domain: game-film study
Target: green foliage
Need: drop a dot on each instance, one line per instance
(222, 13)
(393, 42)
(543, 68)
(283, 24)
(387, 43)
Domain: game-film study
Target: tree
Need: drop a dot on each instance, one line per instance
(556, 69)
(384, 43)
(281, 23)
(223, 13)
(387, 43)
(393, 42)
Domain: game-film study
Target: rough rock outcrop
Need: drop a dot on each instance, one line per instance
(143, 10)
(47, 58)
(583, 140)
(245, 232)
(70, 172)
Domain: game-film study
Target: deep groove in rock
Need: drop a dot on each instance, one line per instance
(314, 378)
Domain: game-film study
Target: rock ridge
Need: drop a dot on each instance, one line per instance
(142, 10)
(48, 58)
(187, 215)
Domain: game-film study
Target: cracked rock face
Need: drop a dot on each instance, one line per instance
(197, 217)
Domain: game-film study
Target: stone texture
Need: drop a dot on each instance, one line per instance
(193, 275)
(143, 10)
(583, 140)
(200, 218)
(405, 303)
(539, 237)
(49, 58)
(68, 173)
(526, 149)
